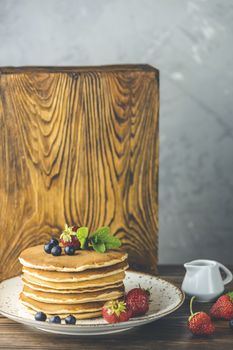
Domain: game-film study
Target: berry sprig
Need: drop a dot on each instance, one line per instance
(74, 237)
(100, 240)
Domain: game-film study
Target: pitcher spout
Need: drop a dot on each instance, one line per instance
(191, 267)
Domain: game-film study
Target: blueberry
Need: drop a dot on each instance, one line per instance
(56, 251)
(70, 319)
(54, 241)
(55, 319)
(40, 316)
(48, 247)
(69, 250)
(231, 324)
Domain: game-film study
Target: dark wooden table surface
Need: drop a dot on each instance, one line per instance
(168, 333)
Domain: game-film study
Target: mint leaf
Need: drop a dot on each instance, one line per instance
(102, 232)
(103, 235)
(112, 242)
(99, 247)
(82, 235)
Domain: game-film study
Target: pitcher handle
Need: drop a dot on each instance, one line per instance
(228, 273)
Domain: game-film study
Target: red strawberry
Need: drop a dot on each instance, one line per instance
(69, 238)
(223, 307)
(116, 311)
(74, 242)
(199, 323)
(137, 300)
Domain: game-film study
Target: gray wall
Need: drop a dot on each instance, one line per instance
(191, 43)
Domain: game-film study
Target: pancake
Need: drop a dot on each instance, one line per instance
(80, 313)
(67, 291)
(76, 298)
(55, 276)
(99, 282)
(35, 257)
(54, 309)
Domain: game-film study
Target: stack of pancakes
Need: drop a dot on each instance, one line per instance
(79, 284)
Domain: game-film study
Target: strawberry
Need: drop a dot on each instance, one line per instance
(199, 323)
(137, 300)
(116, 311)
(69, 237)
(75, 228)
(223, 307)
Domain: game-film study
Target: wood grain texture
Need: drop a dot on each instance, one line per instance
(170, 332)
(79, 145)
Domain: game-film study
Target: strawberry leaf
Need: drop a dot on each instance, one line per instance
(66, 234)
(116, 306)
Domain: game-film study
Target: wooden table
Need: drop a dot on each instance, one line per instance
(168, 333)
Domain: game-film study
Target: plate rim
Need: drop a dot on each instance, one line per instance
(137, 321)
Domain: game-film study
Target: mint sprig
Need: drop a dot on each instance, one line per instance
(102, 240)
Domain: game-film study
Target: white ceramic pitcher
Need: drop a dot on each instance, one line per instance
(203, 279)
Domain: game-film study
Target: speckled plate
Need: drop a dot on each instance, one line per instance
(165, 299)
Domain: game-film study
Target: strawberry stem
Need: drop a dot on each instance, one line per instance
(117, 307)
(191, 305)
(147, 290)
(230, 295)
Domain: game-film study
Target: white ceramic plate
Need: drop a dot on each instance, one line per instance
(165, 298)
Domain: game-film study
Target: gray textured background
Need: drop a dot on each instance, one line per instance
(191, 43)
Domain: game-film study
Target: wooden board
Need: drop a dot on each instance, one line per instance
(79, 145)
(170, 332)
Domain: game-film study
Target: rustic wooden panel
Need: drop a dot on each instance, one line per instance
(79, 145)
